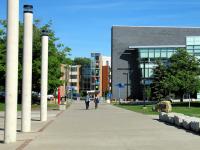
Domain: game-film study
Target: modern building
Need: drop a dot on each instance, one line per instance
(85, 79)
(96, 73)
(135, 50)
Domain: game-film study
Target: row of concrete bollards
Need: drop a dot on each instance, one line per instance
(12, 71)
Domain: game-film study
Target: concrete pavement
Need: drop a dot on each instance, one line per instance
(110, 128)
(24, 138)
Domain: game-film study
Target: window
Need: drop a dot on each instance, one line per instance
(157, 53)
(189, 47)
(163, 53)
(150, 72)
(73, 69)
(73, 76)
(151, 53)
(73, 84)
(144, 53)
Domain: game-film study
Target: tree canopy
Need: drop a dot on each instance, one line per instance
(81, 61)
(58, 54)
(180, 75)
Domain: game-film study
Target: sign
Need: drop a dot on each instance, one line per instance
(109, 94)
(198, 96)
(70, 88)
(120, 85)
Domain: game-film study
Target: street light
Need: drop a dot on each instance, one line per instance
(144, 90)
(126, 84)
(71, 83)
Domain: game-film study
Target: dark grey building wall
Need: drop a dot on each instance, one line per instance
(122, 58)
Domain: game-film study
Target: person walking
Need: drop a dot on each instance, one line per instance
(96, 101)
(87, 102)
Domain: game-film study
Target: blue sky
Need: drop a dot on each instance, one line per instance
(85, 25)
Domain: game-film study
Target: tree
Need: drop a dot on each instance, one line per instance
(184, 71)
(158, 88)
(2, 53)
(180, 75)
(58, 54)
(81, 61)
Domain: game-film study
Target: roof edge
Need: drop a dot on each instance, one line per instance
(182, 27)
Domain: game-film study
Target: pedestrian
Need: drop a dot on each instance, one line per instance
(96, 101)
(87, 102)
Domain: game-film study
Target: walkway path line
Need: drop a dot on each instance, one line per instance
(111, 128)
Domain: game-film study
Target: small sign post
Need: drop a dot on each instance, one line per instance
(120, 86)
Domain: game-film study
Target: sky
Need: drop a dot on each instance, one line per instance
(85, 25)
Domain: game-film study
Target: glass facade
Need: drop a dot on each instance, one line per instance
(95, 71)
(85, 78)
(193, 45)
(148, 56)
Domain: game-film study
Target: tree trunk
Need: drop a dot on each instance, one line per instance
(181, 100)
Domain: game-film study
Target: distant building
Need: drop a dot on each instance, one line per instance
(74, 78)
(135, 50)
(96, 73)
(64, 78)
(106, 75)
(94, 77)
(85, 79)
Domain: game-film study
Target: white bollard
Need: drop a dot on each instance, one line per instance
(27, 68)
(11, 71)
(44, 77)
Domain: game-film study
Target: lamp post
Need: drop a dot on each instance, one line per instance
(71, 83)
(126, 84)
(144, 92)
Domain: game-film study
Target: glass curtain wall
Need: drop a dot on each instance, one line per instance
(95, 71)
(148, 57)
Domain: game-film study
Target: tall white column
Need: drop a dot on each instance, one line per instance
(27, 69)
(11, 71)
(44, 76)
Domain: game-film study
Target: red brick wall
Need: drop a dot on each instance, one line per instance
(105, 78)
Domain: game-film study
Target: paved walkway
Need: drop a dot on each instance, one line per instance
(111, 128)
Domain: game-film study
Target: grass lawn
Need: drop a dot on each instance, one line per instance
(192, 111)
(34, 107)
(139, 108)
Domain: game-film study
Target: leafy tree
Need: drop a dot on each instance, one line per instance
(180, 76)
(58, 54)
(158, 88)
(184, 70)
(2, 53)
(81, 61)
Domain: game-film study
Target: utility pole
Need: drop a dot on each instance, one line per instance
(11, 71)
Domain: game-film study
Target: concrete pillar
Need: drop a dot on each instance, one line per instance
(44, 76)
(11, 71)
(27, 68)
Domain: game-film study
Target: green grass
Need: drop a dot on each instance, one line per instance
(192, 111)
(34, 107)
(138, 108)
